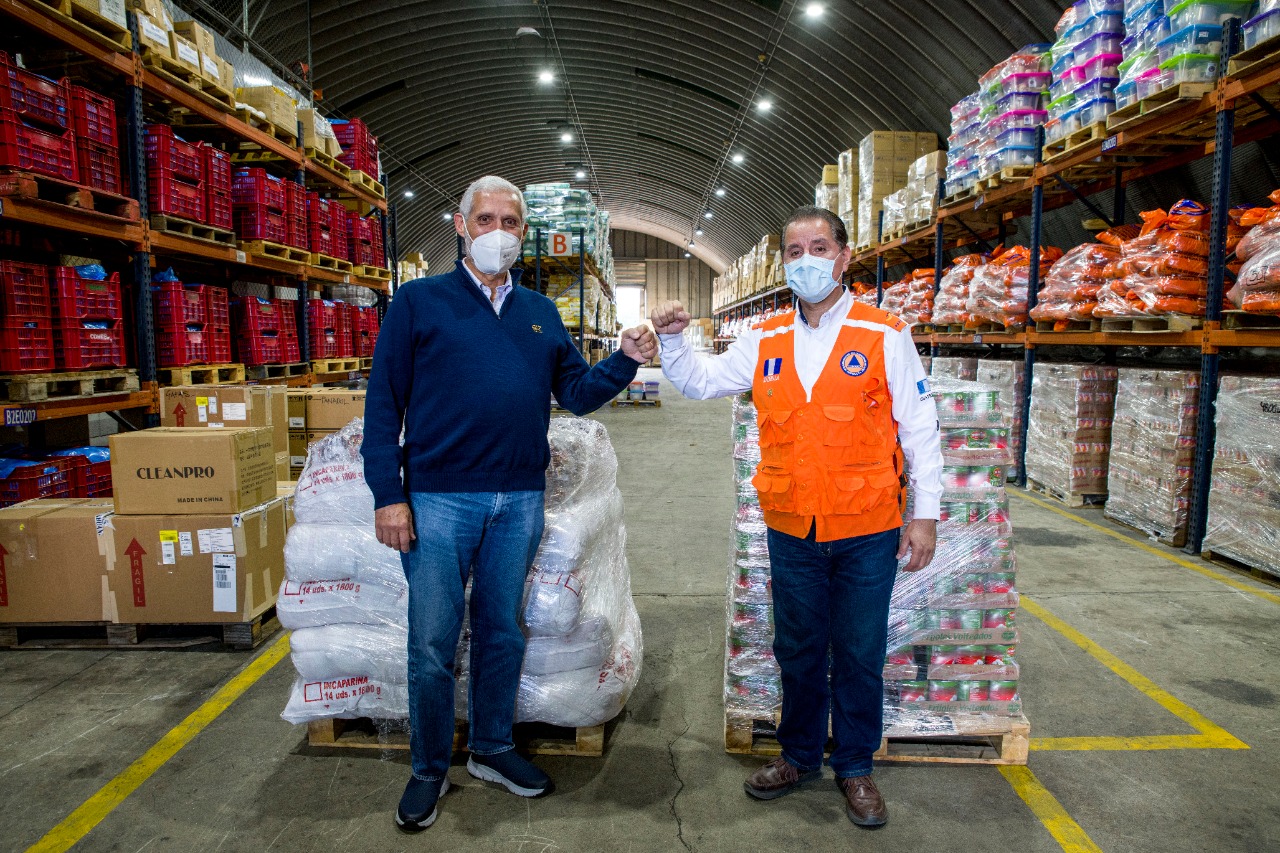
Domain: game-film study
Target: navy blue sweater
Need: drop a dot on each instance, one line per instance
(472, 389)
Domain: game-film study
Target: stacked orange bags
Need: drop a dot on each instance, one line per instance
(1257, 288)
(953, 294)
(1164, 270)
(912, 297)
(998, 290)
(1071, 288)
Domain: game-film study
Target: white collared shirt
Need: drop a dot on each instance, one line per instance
(701, 377)
(503, 289)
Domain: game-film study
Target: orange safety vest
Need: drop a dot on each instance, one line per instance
(834, 459)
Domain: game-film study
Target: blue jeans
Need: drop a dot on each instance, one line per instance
(831, 614)
(496, 534)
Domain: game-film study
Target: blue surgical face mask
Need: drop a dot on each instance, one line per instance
(810, 278)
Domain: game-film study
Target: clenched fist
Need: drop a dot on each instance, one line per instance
(670, 318)
(640, 344)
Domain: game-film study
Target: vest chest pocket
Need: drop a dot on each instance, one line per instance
(773, 427)
(775, 491)
(854, 494)
(842, 425)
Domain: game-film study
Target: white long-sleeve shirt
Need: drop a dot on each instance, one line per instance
(702, 377)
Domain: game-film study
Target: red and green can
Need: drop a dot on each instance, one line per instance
(943, 691)
(913, 691)
(1003, 691)
(998, 619)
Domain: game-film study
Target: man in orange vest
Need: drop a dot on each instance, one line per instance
(845, 413)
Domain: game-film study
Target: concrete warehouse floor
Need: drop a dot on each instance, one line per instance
(70, 721)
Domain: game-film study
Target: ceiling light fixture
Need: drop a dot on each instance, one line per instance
(707, 214)
(687, 255)
(447, 216)
(566, 137)
(697, 231)
(408, 193)
(738, 158)
(691, 244)
(814, 10)
(546, 77)
(720, 191)
(764, 105)
(580, 175)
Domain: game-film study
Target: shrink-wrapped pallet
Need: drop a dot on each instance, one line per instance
(1009, 377)
(1069, 433)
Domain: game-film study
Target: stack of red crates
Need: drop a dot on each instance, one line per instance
(375, 234)
(35, 123)
(365, 331)
(295, 215)
(90, 470)
(322, 322)
(192, 324)
(345, 329)
(267, 331)
(90, 325)
(260, 202)
(359, 147)
(30, 479)
(93, 118)
(26, 327)
(327, 224)
(217, 188)
(175, 175)
(359, 239)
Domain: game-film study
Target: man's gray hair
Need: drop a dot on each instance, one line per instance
(491, 184)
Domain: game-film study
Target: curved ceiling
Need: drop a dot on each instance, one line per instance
(658, 93)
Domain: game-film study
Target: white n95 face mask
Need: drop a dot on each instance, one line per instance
(493, 253)
(810, 278)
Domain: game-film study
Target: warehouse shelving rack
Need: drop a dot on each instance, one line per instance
(148, 93)
(577, 266)
(1243, 106)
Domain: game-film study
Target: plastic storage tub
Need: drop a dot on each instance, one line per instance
(1191, 68)
(1060, 107)
(1263, 27)
(1018, 119)
(1111, 23)
(1142, 16)
(1205, 39)
(1103, 65)
(1098, 45)
(1218, 12)
(1018, 102)
(1008, 158)
(1101, 87)
(1094, 111)
(1152, 82)
(1018, 137)
(1017, 83)
(1126, 94)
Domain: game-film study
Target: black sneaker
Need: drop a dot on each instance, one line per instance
(512, 771)
(417, 808)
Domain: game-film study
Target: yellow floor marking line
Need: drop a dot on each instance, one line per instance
(92, 812)
(1186, 564)
(1045, 806)
(1211, 735)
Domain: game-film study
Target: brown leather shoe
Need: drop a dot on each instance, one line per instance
(776, 778)
(863, 803)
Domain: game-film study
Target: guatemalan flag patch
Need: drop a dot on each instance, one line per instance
(772, 369)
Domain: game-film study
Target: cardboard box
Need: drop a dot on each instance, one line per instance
(111, 10)
(297, 448)
(220, 406)
(203, 568)
(831, 174)
(329, 411)
(155, 10)
(297, 408)
(197, 35)
(152, 36)
(317, 132)
(52, 570)
(174, 471)
(282, 466)
(275, 104)
(184, 53)
(226, 75)
(285, 491)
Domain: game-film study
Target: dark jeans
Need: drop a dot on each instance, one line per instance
(831, 612)
(496, 534)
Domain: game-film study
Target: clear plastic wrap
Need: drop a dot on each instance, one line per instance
(1070, 290)
(1257, 287)
(911, 298)
(1244, 492)
(955, 367)
(346, 597)
(1069, 434)
(1164, 270)
(1009, 377)
(953, 292)
(1153, 441)
(998, 290)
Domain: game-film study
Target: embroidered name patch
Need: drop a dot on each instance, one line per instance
(772, 369)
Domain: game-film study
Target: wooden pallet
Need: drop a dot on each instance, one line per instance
(335, 365)
(656, 404)
(1262, 55)
(1071, 499)
(122, 637)
(1068, 326)
(35, 387)
(1239, 564)
(1007, 176)
(366, 363)
(976, 740)
(1173, 98)
(202, 374)
(276, 251)
(55, 191)
(1176, 539)
(1070, 143)
(360, 179)
(1163, 323)
(254, 154)
(327, 262)
(168, 69)
(532, 738)
(328, 161)
(87, 22)
(1236, 320)
(194, 230)
(260, 372)
(963, 196)
(368, 271)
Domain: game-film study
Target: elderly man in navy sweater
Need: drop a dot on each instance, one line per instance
(465, 365)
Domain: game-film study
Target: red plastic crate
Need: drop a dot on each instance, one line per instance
(218, 210)
(296, 232)
(99, 165)
(85, 344)
(34, 97)
(79, 298)
(26, 346)
(182, 346)
(174, 197)
(324, 344)
(218, 306)
(178, 305)
(217, 170)
(288, 312)
(258, 222)
(24, 291)
(260, 348)
(218, 339)
(93, 116)
(260, 315)
(322, 315)
(359, 146)
(320, 241)
(31, 479)
(365, 331)
(345, 326)
(255, 187)
(174, 156)
(32, 149)
(295, 200)
(89, 472)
